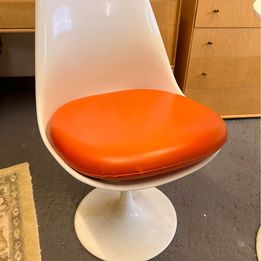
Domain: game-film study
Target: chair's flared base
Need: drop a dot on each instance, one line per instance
(123, 226)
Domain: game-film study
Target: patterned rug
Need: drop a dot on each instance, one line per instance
(19, 239)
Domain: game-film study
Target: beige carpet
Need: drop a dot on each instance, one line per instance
(19, 239)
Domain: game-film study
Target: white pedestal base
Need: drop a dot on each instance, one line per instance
(121, 226)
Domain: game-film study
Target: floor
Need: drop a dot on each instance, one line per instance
(218, 207)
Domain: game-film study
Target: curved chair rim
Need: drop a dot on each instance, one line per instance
(130, 185)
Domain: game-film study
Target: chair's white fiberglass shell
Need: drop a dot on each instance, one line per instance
(257, 7)
(95, 46)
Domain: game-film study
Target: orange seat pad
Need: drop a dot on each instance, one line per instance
(134, 134)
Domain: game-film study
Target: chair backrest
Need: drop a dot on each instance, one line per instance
(95, 46)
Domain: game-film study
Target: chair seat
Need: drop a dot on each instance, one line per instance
(134, 134)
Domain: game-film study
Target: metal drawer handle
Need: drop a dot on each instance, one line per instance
(216, 11)
(209, 43)
(204, 74)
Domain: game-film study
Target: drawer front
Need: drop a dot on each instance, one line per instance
(167, 16)
(226, 13)
(229, 102)
(226, 42)
(221, 72)
(16, 14)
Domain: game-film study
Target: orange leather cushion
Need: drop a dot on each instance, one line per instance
(134, 134)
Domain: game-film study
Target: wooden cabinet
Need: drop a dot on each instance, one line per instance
(18, 16)
(218, 60)
(167, 14)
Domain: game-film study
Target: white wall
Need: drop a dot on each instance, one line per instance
(17, 58)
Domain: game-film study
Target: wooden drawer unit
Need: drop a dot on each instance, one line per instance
(16, 14)
(220, 66)
(226, 13)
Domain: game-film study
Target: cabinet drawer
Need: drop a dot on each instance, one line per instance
(226, 42)
(16, 14)
(226, 13)
(236, 102)
(221, 72)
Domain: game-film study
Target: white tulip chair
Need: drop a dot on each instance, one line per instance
(96, 47)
